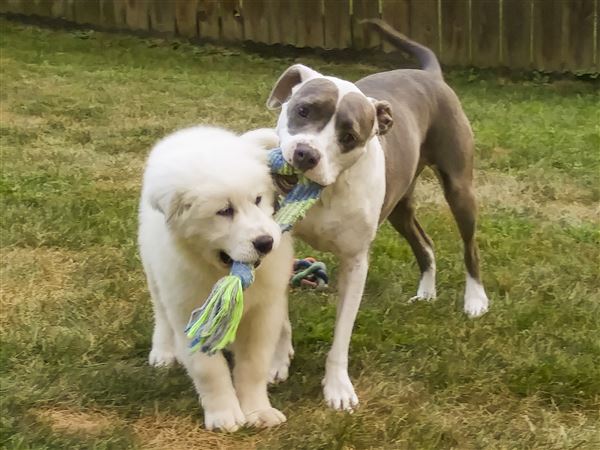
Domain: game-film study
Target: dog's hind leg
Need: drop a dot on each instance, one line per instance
(460, 196)
(404, 221)
(162, 353)
(284, 352)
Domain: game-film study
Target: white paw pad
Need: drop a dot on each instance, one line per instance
(161, 357)
(224, 419)
(265, 418)
(280, 365)
(338, 391)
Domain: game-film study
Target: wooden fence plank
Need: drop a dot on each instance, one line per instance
(309, 24)
(232, 26)
(424, 23)
(41, 8)
(185, 18)
(118, 18)
(107, 14)
(256, 20)
(281, 18)
(88, 12)
(208, 19)
(397, 14)
(362, 37)
(547, 34)
(162, 16)
(516, 33)
(485, 33)
(337, 24)
(136, 14)
(455, 32)
(578, 41)
(62, 9)
(10, 6)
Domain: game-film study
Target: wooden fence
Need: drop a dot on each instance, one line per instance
(554, 35)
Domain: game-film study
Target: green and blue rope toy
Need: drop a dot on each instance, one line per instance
(308, 272)
(213, 326)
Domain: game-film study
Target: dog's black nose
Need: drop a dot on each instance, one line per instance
(305, 157)
(263, 244)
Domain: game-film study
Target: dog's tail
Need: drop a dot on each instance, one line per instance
(426, 57)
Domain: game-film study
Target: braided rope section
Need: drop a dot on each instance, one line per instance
(310, 273)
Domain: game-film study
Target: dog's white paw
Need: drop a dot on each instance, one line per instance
(161, 357)
(426, 290)
(265, 418)
(476, 300)
(338, 390)
(227, 418)
(280, 365)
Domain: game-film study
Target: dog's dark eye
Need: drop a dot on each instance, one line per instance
(347, 139)
(303, 111)
(258, 199)
(227, 212)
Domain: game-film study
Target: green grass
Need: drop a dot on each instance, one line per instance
(79, 112)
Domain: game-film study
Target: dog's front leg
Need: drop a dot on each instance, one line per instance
(212, 381)
(253, 351)
(337, 387)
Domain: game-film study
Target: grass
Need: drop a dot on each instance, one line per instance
(79, 112)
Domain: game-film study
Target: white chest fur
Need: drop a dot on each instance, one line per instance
(348, 208)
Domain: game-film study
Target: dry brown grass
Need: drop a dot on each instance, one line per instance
(163, 432)
(34, 276)
(496, 190)
(72, 421)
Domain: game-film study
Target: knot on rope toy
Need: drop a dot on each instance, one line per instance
(213, 326)
(311, 273)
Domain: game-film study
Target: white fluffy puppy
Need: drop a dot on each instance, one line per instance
(207, 198)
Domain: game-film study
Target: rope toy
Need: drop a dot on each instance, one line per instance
(213, 326)
(309, 272)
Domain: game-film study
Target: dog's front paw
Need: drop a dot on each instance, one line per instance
(280, 365)
(161, 357)
(226, 418)
(338, 390)
(265, 418)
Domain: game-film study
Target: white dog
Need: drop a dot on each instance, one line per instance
(207, 199)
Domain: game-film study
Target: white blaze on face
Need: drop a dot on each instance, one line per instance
(332, 117)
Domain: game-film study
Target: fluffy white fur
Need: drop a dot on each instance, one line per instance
(191, 179)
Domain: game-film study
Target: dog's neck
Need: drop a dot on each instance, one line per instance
(370, 168)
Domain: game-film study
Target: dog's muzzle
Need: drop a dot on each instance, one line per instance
(305, 157)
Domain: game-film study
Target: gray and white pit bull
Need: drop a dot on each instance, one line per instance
(367, 142)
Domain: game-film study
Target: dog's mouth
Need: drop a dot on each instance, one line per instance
(226, 259)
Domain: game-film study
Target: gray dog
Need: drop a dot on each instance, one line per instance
(367, 143)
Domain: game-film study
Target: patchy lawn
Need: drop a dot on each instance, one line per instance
(79, 112)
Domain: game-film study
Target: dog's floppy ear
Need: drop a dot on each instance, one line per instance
(282, 90)
(170, 204)
(384, 116)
